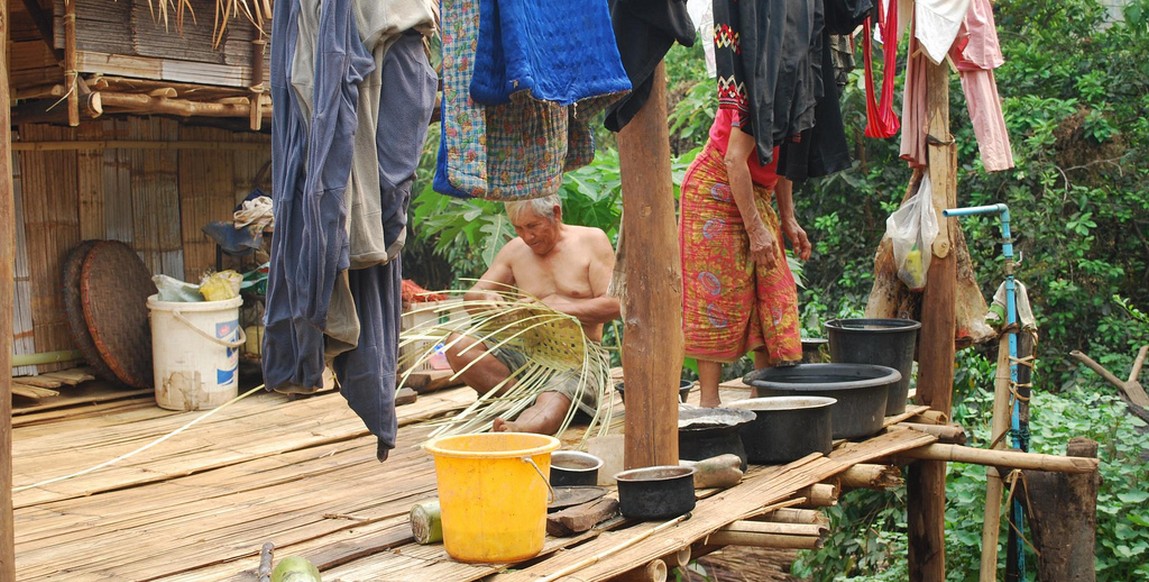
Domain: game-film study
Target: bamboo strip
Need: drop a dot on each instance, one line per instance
(48, 146)
(32, 391)
(997, 458)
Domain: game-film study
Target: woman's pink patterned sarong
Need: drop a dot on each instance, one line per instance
(731, 306)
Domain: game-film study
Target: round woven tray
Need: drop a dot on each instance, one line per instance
(74, 311)
(114, 289)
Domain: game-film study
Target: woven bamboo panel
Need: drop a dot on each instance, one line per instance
(90, 184)
(205, 186)
(51, 229)
(23, 340)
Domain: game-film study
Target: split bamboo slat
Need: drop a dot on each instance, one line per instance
(23, 329)
(90, 184)
(97, 399)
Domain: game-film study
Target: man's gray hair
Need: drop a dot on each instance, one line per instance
(544, 207)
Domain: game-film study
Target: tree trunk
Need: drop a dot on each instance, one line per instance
(1062, 513)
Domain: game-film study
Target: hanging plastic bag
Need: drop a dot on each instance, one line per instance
(912, 230)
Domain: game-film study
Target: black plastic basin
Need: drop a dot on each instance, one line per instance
(884, 342)
(860, 389)
(786, 428)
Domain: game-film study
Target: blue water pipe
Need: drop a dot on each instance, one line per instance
(1017, 433)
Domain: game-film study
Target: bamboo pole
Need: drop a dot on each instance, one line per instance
(794, 515)
(54, 146)
(994, 487)
(678, 559)
(926, 482)
(866, 476)
(819, 495)
(766, 535)
(652, 571)
(652, 314)
(946, 433)
(71, 76)
(1002, 459)
(7, 301)
(141, 103)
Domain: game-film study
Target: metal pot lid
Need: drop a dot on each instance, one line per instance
(697, 418)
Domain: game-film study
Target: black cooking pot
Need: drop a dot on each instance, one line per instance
(653, 493)
(785, 428)
(861, 391)
(572, 468)
(709, 432)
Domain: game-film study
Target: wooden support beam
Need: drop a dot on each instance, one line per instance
(1002, 460)
(926, 482)
(140, 103)
(7, 301)
(994, 486)
(652, 313)
(44, 25)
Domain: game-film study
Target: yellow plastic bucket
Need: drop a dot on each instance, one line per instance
(493, 494)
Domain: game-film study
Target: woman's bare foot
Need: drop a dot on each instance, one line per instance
(705, 402)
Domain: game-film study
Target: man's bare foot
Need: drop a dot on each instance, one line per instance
(500, 425)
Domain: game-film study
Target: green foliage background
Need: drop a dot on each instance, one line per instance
(1075, 92)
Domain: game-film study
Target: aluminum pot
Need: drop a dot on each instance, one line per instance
(786, 428)
(574, 468)
(658, 492)
(861, 391)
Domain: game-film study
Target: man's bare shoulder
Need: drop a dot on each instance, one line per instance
(590, 234)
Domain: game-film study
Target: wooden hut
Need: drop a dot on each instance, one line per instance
(134, 121)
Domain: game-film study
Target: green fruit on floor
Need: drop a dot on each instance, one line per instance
(295, 569)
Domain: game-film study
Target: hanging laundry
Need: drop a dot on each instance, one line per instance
(511, 151)
(645, 30)
(557, 50)
(350, 117)
(976, 54)
(881, 121)
(767, 57)
(936, 25)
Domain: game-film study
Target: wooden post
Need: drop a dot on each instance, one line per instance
(652, 302)
(7, 300)
(71, 75)
(1062, 511)
(926, 482)
(994, 486)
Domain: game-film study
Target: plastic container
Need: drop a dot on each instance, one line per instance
(860, 389)
(884, 342)
(195, 352)
(493, 494)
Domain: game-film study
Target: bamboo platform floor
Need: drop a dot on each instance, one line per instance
(302, 474)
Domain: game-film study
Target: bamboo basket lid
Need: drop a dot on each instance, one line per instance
(74, 311)
(114, 289)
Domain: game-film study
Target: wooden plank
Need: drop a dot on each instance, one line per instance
(32, 390)
(39, 381)
(70, 377)
(652, 338)
(90, 61)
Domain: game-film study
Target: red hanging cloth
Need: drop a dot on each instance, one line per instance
(881, 121)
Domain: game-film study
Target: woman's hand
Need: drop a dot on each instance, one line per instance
(797, 237)
(763, 245)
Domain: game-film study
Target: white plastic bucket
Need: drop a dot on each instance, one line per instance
(195, 352)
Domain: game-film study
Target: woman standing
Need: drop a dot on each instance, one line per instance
(738, 292)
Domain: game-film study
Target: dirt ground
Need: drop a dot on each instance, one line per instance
(741, 564)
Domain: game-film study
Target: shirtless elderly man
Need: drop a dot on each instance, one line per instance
(568, 268)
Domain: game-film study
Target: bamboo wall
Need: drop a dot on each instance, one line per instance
(155, 196)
